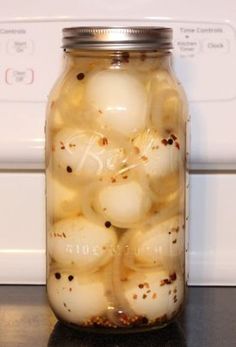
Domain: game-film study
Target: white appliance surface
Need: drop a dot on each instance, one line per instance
(205, 63)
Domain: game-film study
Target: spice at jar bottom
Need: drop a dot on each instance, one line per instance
(116, 181)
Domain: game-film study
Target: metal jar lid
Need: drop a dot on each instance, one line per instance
(117, 38)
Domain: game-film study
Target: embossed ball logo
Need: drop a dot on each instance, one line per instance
(86, 153)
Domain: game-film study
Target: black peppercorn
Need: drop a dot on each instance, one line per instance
(107, 224)
(80, 76)
(57, 275)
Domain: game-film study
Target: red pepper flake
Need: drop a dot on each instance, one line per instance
(64, 235)
(125, 177)
(62, 145)
(80, 76)
(113, 180)
(103, 141)
(69, 169)
(169, 232)
(174, 241)
(165, 281)
(70, 278)
(161, 319)
(165, 142)
(173, 137)
(144, 158)
(135, 296)
(177, 145)
(154, 296)
(107, 224)
(141, 286)
(170, 142)
(144, 296)
(173, 276)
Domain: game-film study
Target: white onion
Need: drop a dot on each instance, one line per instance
(168, 104)
(154, 294)
(76, 300)
(122, 204)
(159, 158)
(82, 243)
(160, 245)
(70, 98)
(120, 100)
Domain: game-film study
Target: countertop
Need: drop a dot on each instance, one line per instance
(208, 320)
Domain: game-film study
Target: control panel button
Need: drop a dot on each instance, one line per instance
(216, 46)
(15, 47)
(187, 46)
(24, 77)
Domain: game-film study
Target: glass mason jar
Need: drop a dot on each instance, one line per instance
(116, 172)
